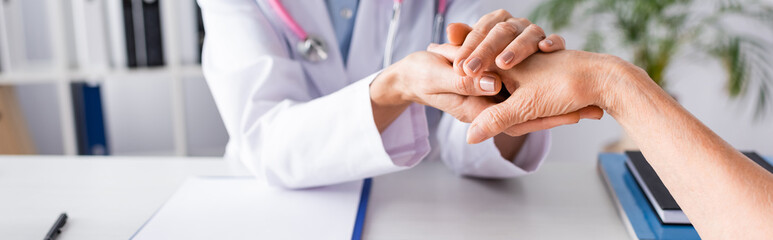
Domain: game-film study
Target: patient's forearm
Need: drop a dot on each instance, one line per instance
(724, 194)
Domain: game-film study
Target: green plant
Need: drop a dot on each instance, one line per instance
(654, 31)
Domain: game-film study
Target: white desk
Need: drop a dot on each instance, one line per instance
(111, 197)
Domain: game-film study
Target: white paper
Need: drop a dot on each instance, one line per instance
(244, 208)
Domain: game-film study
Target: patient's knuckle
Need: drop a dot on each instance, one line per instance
(486, 50)
(537, 31)
(476, 35)
(501, 13)
(472, 41)
(523, 21)
(506, 28)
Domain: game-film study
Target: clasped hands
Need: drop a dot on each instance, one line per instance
(549, 86)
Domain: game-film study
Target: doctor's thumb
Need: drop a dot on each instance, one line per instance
(488, 84)
(457, 32)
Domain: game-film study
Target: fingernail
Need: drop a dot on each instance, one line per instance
(487, 84)
(432, 45)
(549, 42)
(461, 63)
(474, 64)
(507, 57)
(475, 134)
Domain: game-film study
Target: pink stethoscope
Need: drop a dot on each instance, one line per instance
(314, 49)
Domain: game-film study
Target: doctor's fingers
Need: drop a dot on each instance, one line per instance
(456, 33)
(589, 112)
(488, 84)
(476, 36)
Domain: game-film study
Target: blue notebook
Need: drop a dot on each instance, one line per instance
(245, 208)
(636, 212)
(640, 219)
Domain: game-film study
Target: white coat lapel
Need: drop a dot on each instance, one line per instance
(370, 31)
(366, 50)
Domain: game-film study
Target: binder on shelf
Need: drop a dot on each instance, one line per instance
(200, 28)
(640, 219)
(90, 33)
(154, 44)
(142, 29)
(128, 7)
(89, 119)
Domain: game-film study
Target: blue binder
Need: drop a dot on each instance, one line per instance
(89, 119)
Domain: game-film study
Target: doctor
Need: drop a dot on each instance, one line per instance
(300, 88)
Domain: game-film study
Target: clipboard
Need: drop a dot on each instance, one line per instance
(245, 208)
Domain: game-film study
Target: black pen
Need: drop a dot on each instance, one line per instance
(57, 228)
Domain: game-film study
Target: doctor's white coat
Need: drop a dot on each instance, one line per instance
(300, 124)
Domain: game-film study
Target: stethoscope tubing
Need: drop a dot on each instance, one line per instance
(394, 23)
(298, 31)
(280, 10)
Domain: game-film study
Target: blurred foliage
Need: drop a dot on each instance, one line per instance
(655, 30)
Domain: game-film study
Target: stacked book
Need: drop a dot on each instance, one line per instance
(644, 203)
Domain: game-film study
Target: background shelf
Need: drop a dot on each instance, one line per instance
(47, 45)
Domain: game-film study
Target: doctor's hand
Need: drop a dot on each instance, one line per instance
(498, 39)
(427, 78)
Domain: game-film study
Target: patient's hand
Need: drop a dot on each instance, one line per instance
(548, 89)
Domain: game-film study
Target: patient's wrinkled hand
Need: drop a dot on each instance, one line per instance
(548, 90)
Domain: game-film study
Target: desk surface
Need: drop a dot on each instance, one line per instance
(111, 197)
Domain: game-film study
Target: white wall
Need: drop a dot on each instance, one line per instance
(699, 87)
(206, 133)
(41, 113)
(138, 114)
